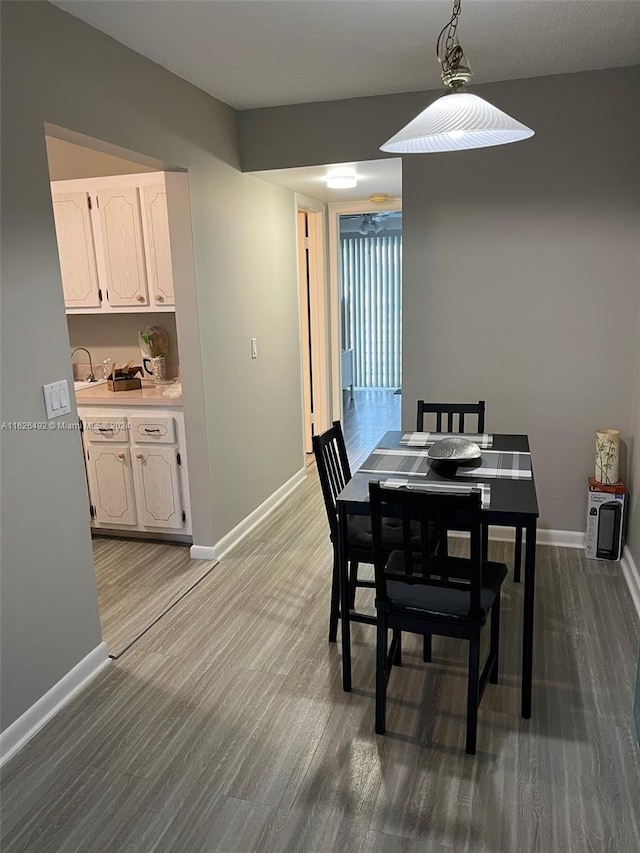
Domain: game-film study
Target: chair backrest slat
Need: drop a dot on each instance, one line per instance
(333, 469)
(452, 411)
(419, 564)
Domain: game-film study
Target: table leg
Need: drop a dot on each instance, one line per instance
(517, 563)
(345, 626)
(527, 628)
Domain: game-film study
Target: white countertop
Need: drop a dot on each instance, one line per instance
(148, 395)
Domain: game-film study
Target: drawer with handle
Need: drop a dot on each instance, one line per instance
(153, 430)
(109, 429)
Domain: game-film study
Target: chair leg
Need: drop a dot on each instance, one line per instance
(353, 581)
(397, 639)
(473, 693)
(381, 681)
(426, 648)
(517, 561)
(334, 613)
(485, 543)
(494, 649)
(443, 544)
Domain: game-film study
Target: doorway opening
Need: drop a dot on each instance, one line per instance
(366, 254)
(371, 298)
(123, 232)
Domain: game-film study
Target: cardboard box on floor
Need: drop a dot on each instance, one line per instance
(605, 520)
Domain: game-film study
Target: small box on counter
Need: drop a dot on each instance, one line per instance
(125, 380)
(605, 517)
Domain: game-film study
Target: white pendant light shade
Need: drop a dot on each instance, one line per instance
(455, 122)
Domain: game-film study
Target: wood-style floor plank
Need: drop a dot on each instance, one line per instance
(137, 581)
(225, 727)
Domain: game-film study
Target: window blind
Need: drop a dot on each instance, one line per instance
(371, 270)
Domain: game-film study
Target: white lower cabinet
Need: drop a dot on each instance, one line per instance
(111, 484)
(136, 470)
(158, 492)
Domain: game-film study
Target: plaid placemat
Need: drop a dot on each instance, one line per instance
(446, 488)
(495, 464)
(393, 461)
(426, 439)
(500, 464)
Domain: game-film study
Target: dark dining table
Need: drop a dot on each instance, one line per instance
(505, 476)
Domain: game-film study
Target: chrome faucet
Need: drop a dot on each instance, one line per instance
(91, 375)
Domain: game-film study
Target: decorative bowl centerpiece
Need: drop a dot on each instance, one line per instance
(454, 450)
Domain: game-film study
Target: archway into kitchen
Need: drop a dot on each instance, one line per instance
(124, 244)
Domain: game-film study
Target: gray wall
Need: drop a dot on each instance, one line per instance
(520, 263)
(68, 161)
(57, 69)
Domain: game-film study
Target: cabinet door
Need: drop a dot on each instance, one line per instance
(158, 487)
(111, 485)
(122, 247)
(76, 250)
(156, 224)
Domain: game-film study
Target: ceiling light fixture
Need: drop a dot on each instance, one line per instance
(458, 120)
(342, 179)
(369, 226)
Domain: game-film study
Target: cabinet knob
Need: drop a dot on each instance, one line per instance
(121, 456)
(159, 298)
(141, 456)
(140, 297)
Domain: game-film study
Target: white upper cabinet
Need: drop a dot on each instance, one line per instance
(122, 247)
(157, 241)
(76, 249)
(114, 243)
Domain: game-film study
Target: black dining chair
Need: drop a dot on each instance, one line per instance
(455, 416)
(334, 473)
(455, 422)
(422, 592)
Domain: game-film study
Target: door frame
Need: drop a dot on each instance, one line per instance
(334, 212)
(318, 315)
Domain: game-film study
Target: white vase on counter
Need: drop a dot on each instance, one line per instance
(607, 456)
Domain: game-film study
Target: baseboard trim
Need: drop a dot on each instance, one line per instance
(240, 531)
(632, 576)
(202, 552)
(558, 538)
(34, 718)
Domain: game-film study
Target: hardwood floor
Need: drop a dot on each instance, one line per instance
(371, 413)
(225, 728)
(138, 582)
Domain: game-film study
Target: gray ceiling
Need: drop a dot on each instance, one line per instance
(260, 53)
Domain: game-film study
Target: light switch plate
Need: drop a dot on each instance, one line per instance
(254, 347)
(56, 399)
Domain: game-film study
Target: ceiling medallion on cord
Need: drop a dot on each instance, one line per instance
(458, 120)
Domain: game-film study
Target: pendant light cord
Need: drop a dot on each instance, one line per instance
(450, 53)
